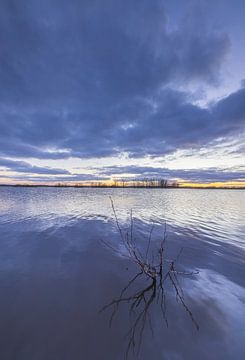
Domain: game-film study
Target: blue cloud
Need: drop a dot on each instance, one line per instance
(94, 79)
(24, 167)
(199, 175)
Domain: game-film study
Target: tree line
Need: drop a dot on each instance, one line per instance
(142, 183)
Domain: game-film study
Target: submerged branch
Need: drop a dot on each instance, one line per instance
(158, 270)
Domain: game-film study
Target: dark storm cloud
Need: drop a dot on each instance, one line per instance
(24, 167)
(87, 49)
(202, 175)
(93, 79)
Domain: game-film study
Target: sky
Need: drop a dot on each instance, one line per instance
(96, 90)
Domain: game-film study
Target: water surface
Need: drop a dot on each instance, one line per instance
(56, 272)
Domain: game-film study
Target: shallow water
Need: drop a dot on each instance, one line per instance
(57, 272)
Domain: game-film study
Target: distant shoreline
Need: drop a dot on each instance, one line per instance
(123, 187)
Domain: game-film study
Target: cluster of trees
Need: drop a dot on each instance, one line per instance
(142, 183)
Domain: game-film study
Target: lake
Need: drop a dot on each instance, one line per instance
(63, 259)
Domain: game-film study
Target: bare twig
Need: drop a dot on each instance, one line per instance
(158, 271)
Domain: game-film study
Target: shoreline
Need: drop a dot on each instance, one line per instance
(124, 187)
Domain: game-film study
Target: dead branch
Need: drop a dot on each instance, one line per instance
(159, 270)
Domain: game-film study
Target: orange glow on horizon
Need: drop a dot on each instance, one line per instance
(220, 184)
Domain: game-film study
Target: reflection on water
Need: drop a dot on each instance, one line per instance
(56, 273)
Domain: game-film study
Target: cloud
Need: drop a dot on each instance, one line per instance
(88, 49)
(59, 178)
(91, 79)
(45, 174)
(168, 123)
(200, 175)
(24, 167)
